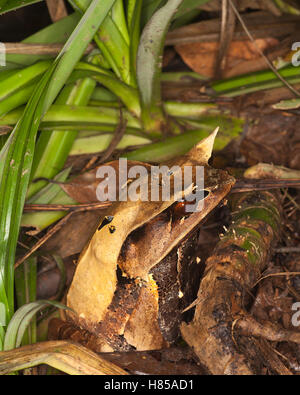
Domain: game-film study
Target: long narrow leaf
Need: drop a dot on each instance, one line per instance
(134, 22)
(16, 156)
(188, 6)
(56, 33)
(21, 320)
(21, 78)
(111, 43)
(127, 94)
(149, 62)
(53, 148)
(149, 8)
(68, 115)
(26, 282)
(15, 4)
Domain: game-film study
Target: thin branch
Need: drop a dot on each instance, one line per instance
(269, 63)
(36, 49)
(117, 137)
(57, 9)
(226, 36)
(43, 240)
(248, 185)
(66, 207)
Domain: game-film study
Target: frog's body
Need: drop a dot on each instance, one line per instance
(129, 286)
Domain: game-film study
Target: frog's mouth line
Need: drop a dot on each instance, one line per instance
(151, 242)
(174, 216)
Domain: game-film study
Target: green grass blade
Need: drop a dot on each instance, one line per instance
(96, 144)
(254, 81)
(111, 43)
(126, 93)
(117, 47)
(17, 154)
(15, 4)
(21, 78)
(149, 8)
(15, 159)
(76, 45)
(167, 149)
(21, 320)
(16, 99)
(134, 23)
(53, 148)
(2, 3)
(131, 5)
(118, 16)
(149, 64)
(188, 6)
(102, 94)
(26, 282)
(179, 145)
(79, 116)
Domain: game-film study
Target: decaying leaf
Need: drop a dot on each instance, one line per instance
(83, 188)
(267, 134)
(201, 56)
(129, 276)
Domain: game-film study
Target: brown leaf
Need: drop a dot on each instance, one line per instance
(266, 137)
(201, 57)
(74, 235)
(83, 187)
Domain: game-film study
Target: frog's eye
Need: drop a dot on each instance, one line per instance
(179, 208)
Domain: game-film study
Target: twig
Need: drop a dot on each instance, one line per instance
(226, 36)
(287, 250)
(295, 92)
(66, 207)
(57, 9)
(36, 49)
(5, 130)
(277, 275)
(47, 236)
(117, 137)
(262, 25)
(271, 356)
(248, 185)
